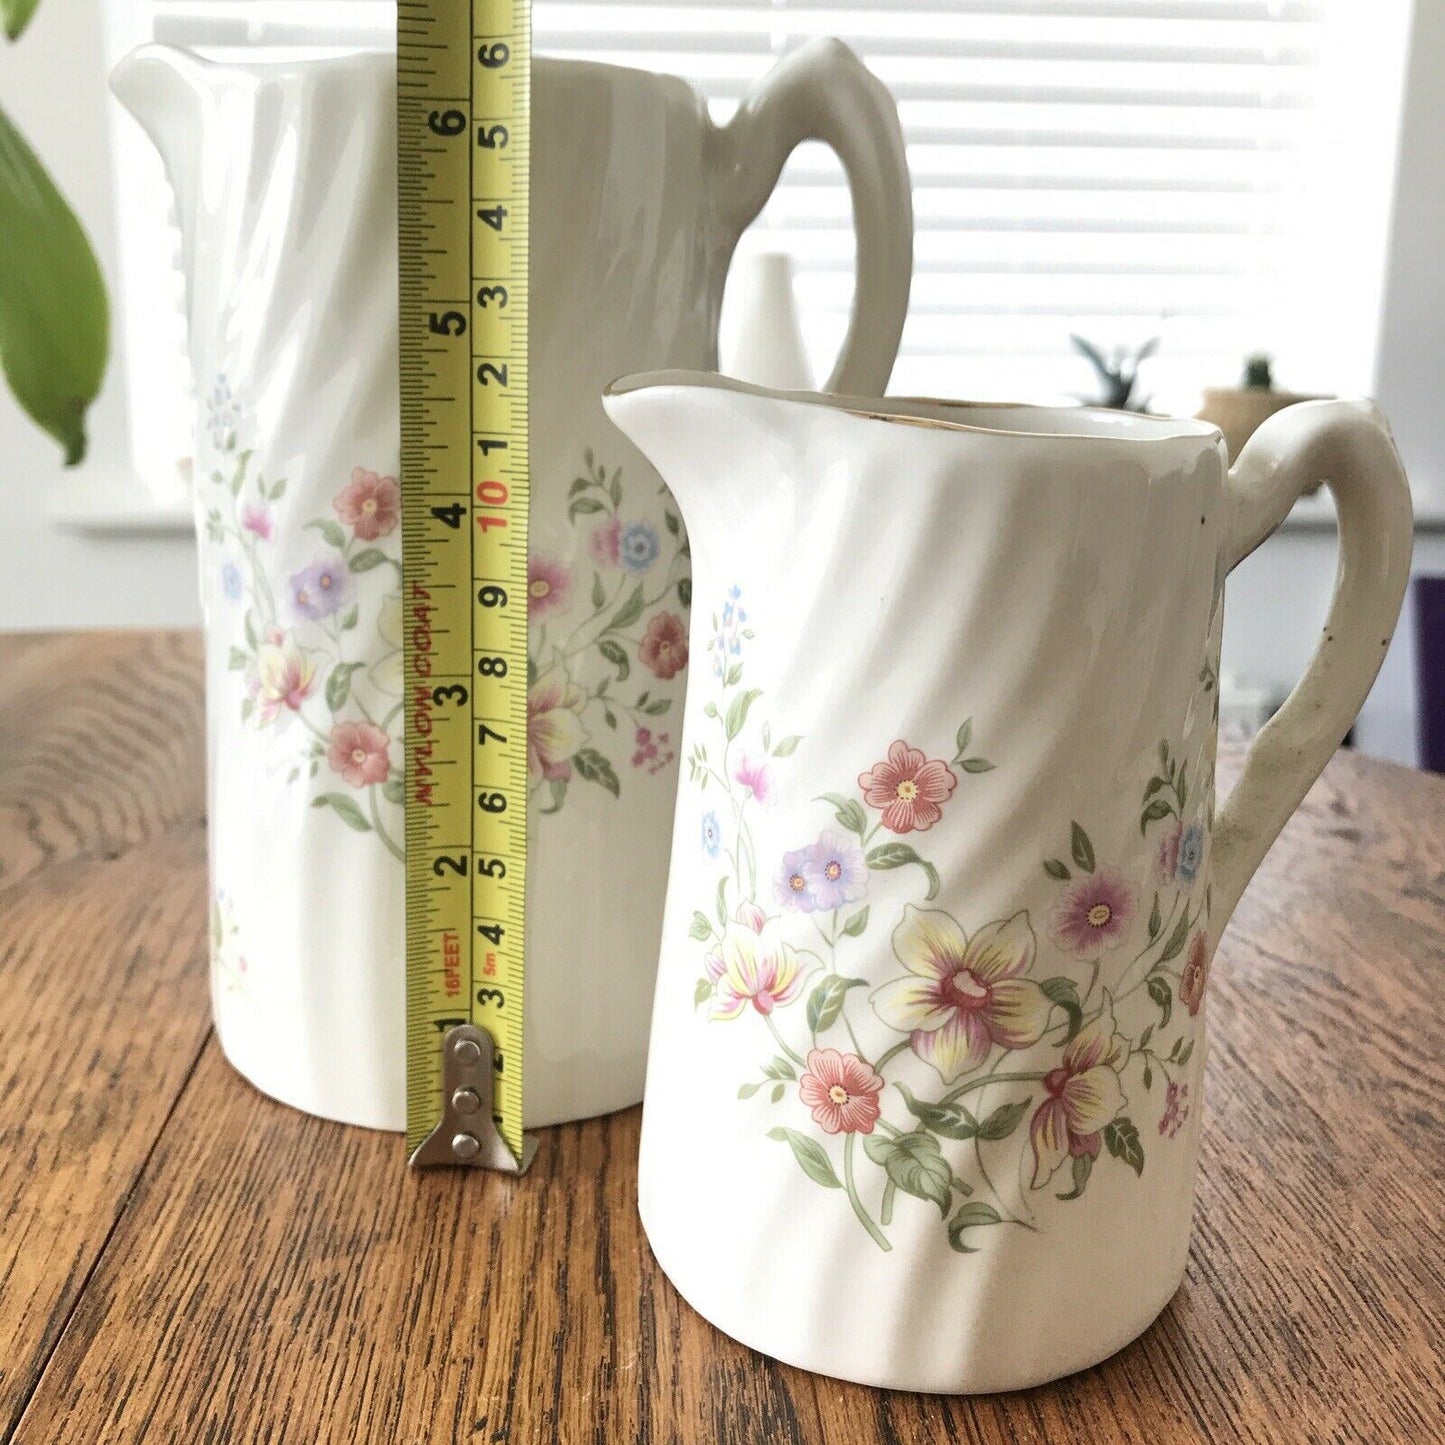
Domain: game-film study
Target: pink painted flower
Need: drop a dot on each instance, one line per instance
(257, 519)
(751, 916)
(909, 787)
(1093, 914)
(1176, 1110)
(752, 966)
(1166, 860)
(284, 678)
(358, 751)
(1195, 974)
(754, 775)
(663, 650)
(549, 587)
(1081, 1096)
(962, 995)
(369, 504)
(841, 1090)
(605, 544)
(554, 724)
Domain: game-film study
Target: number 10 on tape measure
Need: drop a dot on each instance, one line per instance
(463, 92)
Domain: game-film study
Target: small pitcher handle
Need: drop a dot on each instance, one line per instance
(822, 91)
(1347, 446)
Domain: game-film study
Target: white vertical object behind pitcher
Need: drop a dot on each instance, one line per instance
(761, 338)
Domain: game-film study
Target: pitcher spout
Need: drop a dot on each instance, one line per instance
(167, 91)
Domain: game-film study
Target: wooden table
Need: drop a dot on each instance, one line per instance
(184, 1260)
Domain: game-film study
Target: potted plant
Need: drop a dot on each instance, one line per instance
(1238, 410)
(54, 318)
(1118, 374)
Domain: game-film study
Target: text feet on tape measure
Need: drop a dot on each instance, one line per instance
(467, 1134)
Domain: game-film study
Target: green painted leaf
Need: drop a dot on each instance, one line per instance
(1159, 808)
(701, 993)
(1082, 849)
(915, 1164)
(579, 486)
(1177, 939)
(278, 489)
(349, 620)
(970, 1216)
(735, 675)
(778, 1092)
(1163, 753)
(1182, 787)
(394, 791)
(1083, 1167)
(825, 1002)
(1055, 869)
(977, 765)
(558, 790)
(1162, 995)
(671, 522)
(1186, 1053)
(237, 660)
(1155, 784)
(787, 747)
(616, 654)
(1155, 921)
(54, 316)
(658, 706)
(1003, 1121)
(848, 811)
(591, 765)
(952, 1121)
(599, 593)
(582, 506)
(330, 531)
(900, 855)
(721, 902)
(614, 489)
(965, 736)
(338, 685)
(748, 1090)
(684, 592)
(345, 809)
(1148, 1077)
(737, 713)
(16, 15)
(248, 706)
(857, 923)
(780, 1068)
(701, 928)
(629, 612)
(1121, 1139)
(810, 1156)
(1065, 993)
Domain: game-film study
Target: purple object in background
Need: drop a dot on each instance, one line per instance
(1430, 666)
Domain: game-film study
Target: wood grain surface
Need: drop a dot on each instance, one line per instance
(184, 1260)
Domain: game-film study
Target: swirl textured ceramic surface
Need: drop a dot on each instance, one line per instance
(947, 871)
(285, 184)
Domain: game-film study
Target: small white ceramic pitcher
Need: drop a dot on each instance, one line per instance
(285, 182)
(923, 1099)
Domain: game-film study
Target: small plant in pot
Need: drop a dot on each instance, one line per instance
(1118, 374)
(1239, 410)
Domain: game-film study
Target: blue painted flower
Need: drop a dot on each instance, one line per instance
(1191, 852)
(638, 546)
(711, 834)
(320, 589)
(231, 583)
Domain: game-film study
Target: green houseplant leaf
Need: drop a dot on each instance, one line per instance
(54, 318)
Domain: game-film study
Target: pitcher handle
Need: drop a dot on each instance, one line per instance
(1347, 446)
(822, 91)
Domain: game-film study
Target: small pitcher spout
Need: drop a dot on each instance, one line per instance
(167, 91)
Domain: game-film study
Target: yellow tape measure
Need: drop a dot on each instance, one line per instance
(463, 113)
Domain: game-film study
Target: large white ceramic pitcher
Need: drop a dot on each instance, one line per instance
(284, 176)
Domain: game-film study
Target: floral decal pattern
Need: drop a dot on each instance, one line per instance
(316, 653)
(1015, 1006)
(605, 638)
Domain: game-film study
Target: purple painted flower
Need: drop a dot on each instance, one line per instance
(756, 776)
(549, 587)
(835, 870)
(792, 883)
(231, 581)
(1093, 914)
(1167, 859)
(320, 589)
(638, 546)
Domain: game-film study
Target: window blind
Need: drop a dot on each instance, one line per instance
(1116, 168)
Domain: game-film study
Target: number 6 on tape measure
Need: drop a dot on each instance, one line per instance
(463, 132)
